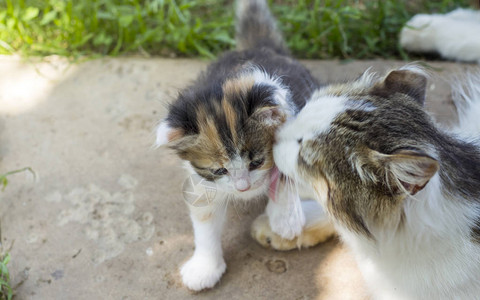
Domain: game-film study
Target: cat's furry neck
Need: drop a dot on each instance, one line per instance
(457, 183)
(459, 167)
(451, 197)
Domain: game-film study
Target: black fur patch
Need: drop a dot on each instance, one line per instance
(476, 231)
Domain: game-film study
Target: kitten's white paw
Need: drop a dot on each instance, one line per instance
(286, 221)
(264, 235)
(287, 226)
(202, 272)
(314, 233)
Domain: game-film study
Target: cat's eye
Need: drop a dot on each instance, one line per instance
(300, 140)
(220, 172)
(256, 164)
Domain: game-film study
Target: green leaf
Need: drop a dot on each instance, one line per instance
(105, 15)
(30, 13)
(84, 39)
(3, 269)
(11, 23)
(3, 283)
(48, 17)
(102, 39)
(6, 260)
(6, 46)
(125, 20)
(4, 183)
(223, 36)
(3, 14)
(203, 51)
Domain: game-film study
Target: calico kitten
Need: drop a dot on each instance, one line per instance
(223, 127)
(402, 193)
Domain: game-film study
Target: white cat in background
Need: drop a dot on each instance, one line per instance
(454, 36)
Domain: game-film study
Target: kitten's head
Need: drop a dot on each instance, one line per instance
(364, 146)
(225, 130)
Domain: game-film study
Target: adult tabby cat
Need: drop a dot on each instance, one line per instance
(403, 194)
(223, 127)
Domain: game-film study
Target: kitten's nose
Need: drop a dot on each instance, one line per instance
(242, 185)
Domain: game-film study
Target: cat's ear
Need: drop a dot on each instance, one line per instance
(411, 82)
(166, 134)
(410, 169)
(271, 116)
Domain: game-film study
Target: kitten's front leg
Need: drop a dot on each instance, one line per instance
(284, 211)
(205, 268)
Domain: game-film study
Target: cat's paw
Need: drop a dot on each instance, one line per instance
(286, 221)
(202, 272)
(313, 234)
(287, 226)
(263, 234)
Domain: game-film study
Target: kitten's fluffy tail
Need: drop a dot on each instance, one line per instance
(256, 27)
(466, 96)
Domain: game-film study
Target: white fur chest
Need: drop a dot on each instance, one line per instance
(434, 271)
(432, 257)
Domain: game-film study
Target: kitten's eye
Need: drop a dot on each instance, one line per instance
(220, 172)
(256, 164)
(300, 140)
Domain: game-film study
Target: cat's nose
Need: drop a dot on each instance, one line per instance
(242, 185)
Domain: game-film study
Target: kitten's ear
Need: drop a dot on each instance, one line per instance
(270, 116)
(412, 169)
(167, 134)
(409, 82)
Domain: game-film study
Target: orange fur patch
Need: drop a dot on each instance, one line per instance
(207, 128)
(231, 117)
(175, 134)
(237, 86)
(208, 151)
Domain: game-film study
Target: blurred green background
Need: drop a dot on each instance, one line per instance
(344, 29)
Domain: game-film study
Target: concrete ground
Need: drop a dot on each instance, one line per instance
(105, 218)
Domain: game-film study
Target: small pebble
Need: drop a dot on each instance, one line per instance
(149, 251)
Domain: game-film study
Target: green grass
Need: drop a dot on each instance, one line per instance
(4, 179)
(313, 28)
(6, 290)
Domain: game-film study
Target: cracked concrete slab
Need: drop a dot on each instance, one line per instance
(104, 218)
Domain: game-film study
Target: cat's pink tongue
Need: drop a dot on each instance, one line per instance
(274, 176)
